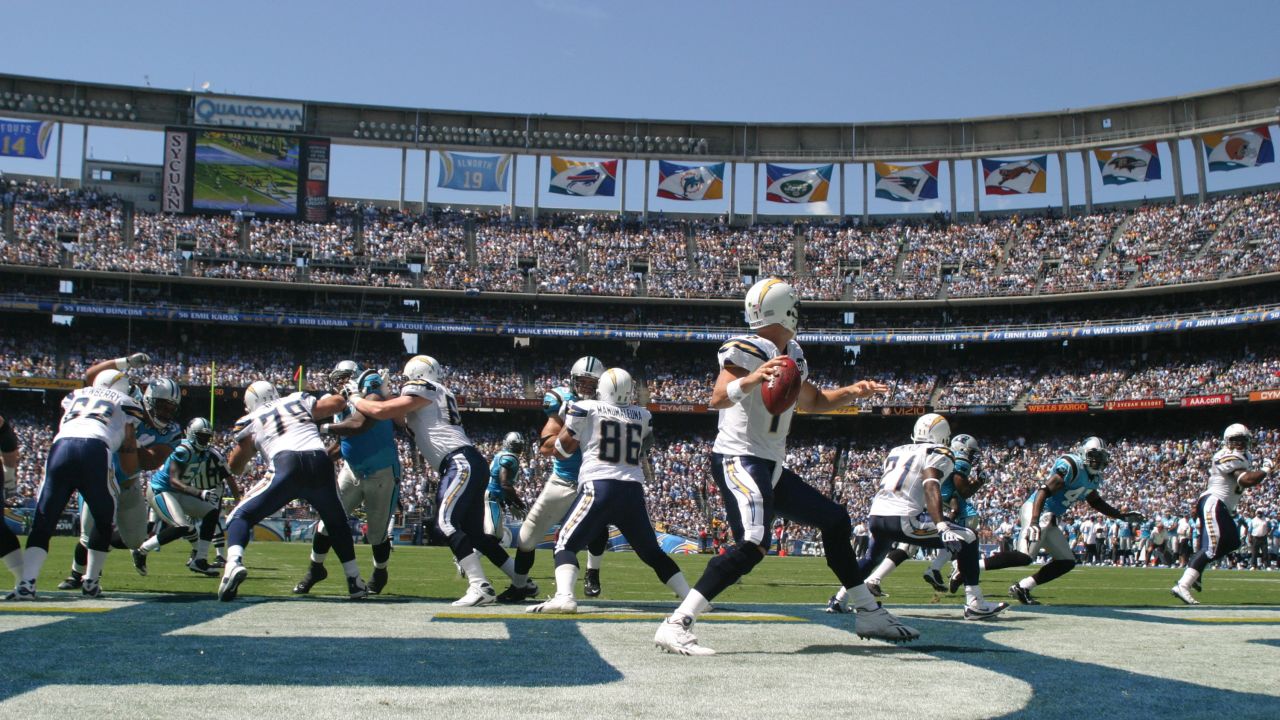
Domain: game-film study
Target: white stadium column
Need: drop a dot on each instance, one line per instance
(951, 180)
(1088, 182)
(514, 159)
(84, 154)
(58, 172)
(645, 217)
(732, 177)
(755, 191)
(1197, 146)
(537, 184)
(1175, 155)
(866, 181)
(622, 195)
(977, 179)
(426, 180)
(842, 192)
(1062, 174)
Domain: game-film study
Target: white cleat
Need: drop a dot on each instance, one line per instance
(674, 636)
(880, 624)
(232, 576)
(984, 610)
(1183, 594)
(24, 591)
(555, 605)
(477, 595)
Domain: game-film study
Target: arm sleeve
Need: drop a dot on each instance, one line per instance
(418, 388)
(243, 428)
(577, 421)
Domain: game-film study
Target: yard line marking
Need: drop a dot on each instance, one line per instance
(613, 616)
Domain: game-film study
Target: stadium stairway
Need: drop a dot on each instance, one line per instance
(1105, 252)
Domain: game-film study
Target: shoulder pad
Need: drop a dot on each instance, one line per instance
(576, 410)
(742, 344)
(133, 411)
(182, 453)
(241, 424)
(941, 450)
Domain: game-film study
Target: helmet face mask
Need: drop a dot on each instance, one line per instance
(1095, 453)
(343, 371)
(966, 447)
(1237, 437)
(513, 442)
(161, 399)
(584, 376)
(199, 433)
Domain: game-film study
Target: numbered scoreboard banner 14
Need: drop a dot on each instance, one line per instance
(221, 171)
(25, 138)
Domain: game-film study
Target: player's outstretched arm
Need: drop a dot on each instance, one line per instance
(357, 424)
(815, 399)
(393, 409)
(1253, 477)
(241, 454)
(122, 364)
(547, 438)
(1097, 503)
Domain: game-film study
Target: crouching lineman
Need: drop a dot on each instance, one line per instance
(96, 422)
(10, 454)
(1073, 476)
(284, 431)
(908, 508)
(186, 494)
(157, 435)
(431, 414)
(561, 487)
(501, 496)
(370, 474)
(616, 438)
(747, 463)
(1230, 474)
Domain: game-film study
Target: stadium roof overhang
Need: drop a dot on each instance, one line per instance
(146, 108)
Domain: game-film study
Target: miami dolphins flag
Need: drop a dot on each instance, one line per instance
(688, 182)
(1239, 150)
(473, 172)
(907, 183)
(1015, 177)
(797, 185)
(1121, 166)
(575, 177)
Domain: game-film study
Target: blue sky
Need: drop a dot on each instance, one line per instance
(748, 60)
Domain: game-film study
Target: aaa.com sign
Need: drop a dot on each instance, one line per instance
(1134, 404)
(1264, 395)
(1206, 400)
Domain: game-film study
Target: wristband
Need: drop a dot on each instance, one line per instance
(122, 364)
(561, 451)
(325, 428)
(735, 392)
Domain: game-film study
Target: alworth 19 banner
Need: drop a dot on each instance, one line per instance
(23, 138)
(484, 173)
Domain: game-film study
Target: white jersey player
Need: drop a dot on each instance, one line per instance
(96, 422)
(615, 438)
(430, 412)
(908, 509)
(1233, 470)
(284, 431)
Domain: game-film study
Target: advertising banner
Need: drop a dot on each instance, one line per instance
(1134, 404)
(1064, 407)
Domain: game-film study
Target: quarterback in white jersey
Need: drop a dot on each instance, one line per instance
(431, 414)
(96, 422)
(1233, 470)
(284, 431)
(747, 464)
(908, 509)
(615, 439)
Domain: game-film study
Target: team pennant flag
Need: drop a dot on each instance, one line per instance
(1121, 166)
(907, 183)
(797, 185)
(1239, 150)
(1015, 177)
(688, 182)
(573, 177)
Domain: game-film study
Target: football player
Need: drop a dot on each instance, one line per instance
(10, 454)
(97, 423)
(370, 474)
(1233, 470)
(186, 494)
(157, 435)
(431, 414)
(284, 431)
(501, 494)
(747, 463)
(561, 487)
(1073, 476)
(908, 509)
(616, 437)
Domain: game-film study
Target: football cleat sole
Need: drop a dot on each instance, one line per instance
(230, 585)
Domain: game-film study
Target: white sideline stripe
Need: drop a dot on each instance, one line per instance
(340, 620)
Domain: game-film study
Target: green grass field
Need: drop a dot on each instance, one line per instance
(428, 572)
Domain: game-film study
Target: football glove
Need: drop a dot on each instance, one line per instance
(511, 502)
(1133, 517)
(209, 496)
(1031, 533)
(1267, 464)
(351, 391)
(955, 536)
(135, 360)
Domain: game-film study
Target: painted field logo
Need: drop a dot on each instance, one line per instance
(796, 188)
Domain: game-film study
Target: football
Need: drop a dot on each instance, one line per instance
(783, 390)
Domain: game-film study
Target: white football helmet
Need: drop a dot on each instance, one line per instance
(966, 447)
(932, 428)
(773, 301)
(162, 398)
(259, 393)
(584, 376)
(1237, 437)
(423, 367)
(1095, 453)
(616, 387)
(113, 380)
(343, 371)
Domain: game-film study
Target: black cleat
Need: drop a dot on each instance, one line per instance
(874, 587)
(591, 584)
(954, 584)
(140, 563)
(201, 567)
(377, 581)
(515, 594)
(91, 588)
(356, 589)
(1196, 586)
(315, 574)
(934, 578)
(74, 581)
(1023, 595)
(218, 563)
(836, 607)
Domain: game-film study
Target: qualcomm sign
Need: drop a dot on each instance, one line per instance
(247, 113)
